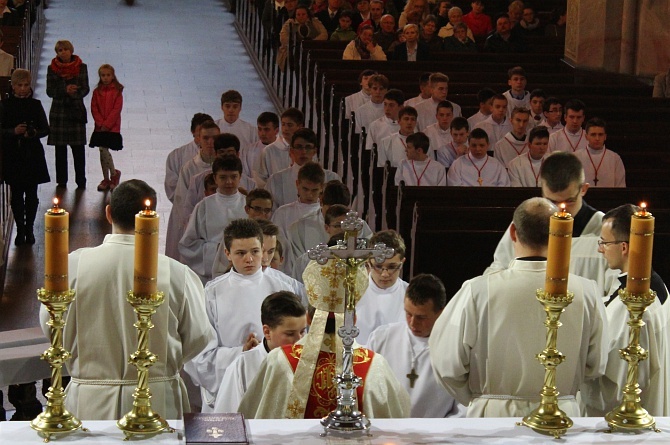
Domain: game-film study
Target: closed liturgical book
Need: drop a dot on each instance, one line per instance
(228, 428)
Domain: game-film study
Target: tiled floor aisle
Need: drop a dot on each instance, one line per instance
(175, 58)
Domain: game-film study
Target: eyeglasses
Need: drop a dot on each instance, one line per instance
(391, 268)
(569, 200)
(263, 210)
(602, 243)
(308, 147)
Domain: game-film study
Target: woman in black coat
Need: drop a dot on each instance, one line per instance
(24, 122)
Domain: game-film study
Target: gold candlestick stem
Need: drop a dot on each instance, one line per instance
(142, 419)
(55, 419)
(630, 415)
(548, 418)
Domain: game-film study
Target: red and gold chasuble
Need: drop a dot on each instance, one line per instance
(323, 392)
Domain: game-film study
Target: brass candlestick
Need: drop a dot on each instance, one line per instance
(630, 415)
(548, 418)
(142, 419)
(55, 419)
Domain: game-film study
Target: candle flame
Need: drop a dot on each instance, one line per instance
(55, 201)
(147, 203)
(643, 206)
(562, 207)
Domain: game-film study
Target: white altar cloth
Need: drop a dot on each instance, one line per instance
(384, 432)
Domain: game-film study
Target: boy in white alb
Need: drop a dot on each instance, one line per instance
(201, 162)
(517, 96)
(572, 137)
(602, 167)
(303, 148)
(419, 169)
(552, 111)
(425, 94)
(476, 168)
(353, 101)
(513, 143)
(284, 323)
(388, 123)
(427, 110)
(537, 98)
(231, 105)
(524, 170)
(233, 302)
(210, 217)
(497, 124)
(268, 130)
(382, 302)
(392, 147)
(405, 346)
(181, 155)
(374, 108)
(459, 143)
(274, 157)
(485, 99)
(439, 133)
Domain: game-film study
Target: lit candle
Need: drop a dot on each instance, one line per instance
(146, 251)
(558, 252)
(56, 246)
(641, 247)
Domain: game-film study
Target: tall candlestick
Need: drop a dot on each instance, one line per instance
(641, 247)
(56, 236)
(558, 252)
(146, 251)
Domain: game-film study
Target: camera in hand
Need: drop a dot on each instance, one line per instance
(31, 130)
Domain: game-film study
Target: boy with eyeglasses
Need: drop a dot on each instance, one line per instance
(383, 301)
(259, 204)
(302, 149)
(552, 111)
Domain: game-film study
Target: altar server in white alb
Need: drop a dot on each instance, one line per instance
(571, 137)
(231, 106)
(388, 123)
(233, 303)
(284, 321)
(405, 346)
(419, 169)
(552, 111)
(497, 125)
(99, 331)
(274, 157)
(427, 110)
(477, 168)
(296, 381)
(459, 130)
(514, 143)
(392, 148)
(491, 330)
(439, 133)
(517, 95)
(374, 108)
(602, 167)
(524, 170)
(382, 302)
(353, 101)
(204, 232)
(605, 393)
(267, 126)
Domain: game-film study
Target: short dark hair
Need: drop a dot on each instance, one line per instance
(258, 194)
(231, 96)
(409, 111)
(207, 125)
(516, 71)
(295, 115)
(278, 305)
(268, 228)
(335, 211)
(242, 228)
(445, 104)
(419, 140)
(392, 239)
(531, 220)
(438, 78)
(395, 95)
(595, 122)
(198, 119)
(500, 97)
(538, 133)
(306, 134)
(478, 133)
(365, 73)
(517, 110)
(312, 172)
(427, 287)
(538, 92)
(128, 199)
(485, 94)
(347, 13)
(227, 140)
(458, 123)
(229, 163)
(268, 117)
(560, 170)
(620, 217)
(209, 180)
(336, 192)
(548, 102)
(574, 105)
(380, 79)
(424, 79)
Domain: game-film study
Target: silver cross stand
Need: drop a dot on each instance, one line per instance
(346, 418)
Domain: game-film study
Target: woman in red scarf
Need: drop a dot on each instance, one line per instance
(67, 85)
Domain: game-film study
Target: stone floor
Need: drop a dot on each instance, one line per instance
(175, 58)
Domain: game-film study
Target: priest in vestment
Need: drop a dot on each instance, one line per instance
(296, 381)
(100, 333)
(491, 330)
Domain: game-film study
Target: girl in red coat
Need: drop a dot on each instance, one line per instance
(106, 107)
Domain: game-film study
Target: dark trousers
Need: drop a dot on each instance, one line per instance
(79, 156)
(24, 209)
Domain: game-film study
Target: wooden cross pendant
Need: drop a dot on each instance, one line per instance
(412, 376)
(480, 181)
(595, 181)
